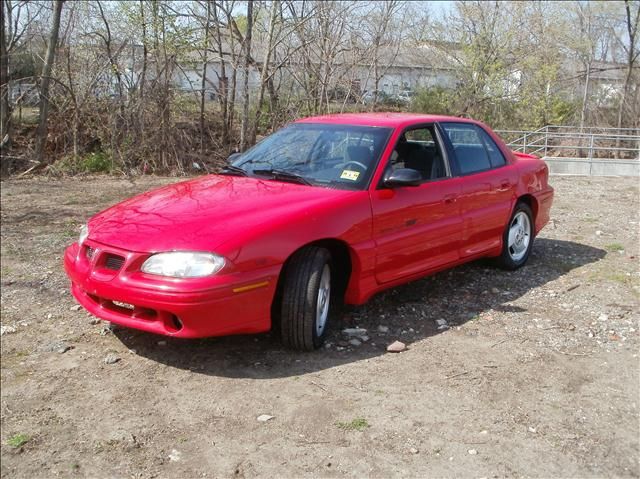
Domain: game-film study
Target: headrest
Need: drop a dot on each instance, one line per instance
(361, 154)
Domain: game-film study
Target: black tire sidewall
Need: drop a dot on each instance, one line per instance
(314, 290)
(506, 260)
(298, 316)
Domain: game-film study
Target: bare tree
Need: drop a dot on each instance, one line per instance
(244, 128)
(17, 19)
(632, 52)
(223, 81)
(41, 133)
(5, 110)
(588, 53)
(264, 69)
(383, 36)
(205, 64)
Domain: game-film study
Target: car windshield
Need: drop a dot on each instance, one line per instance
(337, 156)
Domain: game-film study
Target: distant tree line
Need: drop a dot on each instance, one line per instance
(100, 86)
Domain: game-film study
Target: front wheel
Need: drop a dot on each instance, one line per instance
(517, 240)
(306, 299)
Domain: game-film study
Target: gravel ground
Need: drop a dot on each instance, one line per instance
(529, 373)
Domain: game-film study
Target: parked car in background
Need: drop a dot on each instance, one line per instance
(342, 94)
(325, 211)
(382, 97)
(404, 97)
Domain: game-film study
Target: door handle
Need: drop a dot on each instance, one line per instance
(505, 185)
(449, 199)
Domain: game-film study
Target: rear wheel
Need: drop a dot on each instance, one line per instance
(306, 299)
(518, 238)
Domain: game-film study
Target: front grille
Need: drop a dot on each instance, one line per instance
(124, 305)
(89, 252)
(114, 262)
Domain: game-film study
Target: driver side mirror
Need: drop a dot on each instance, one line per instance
(402, 177)
(233, 157)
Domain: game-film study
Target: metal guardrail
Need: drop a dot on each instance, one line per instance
(549, 140)
(614, 151)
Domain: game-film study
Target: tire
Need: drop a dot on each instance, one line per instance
(306, 299)
(517, 239)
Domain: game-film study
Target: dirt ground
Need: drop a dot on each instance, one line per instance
(537, 374)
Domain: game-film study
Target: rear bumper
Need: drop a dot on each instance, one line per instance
(544, 199)
(226, 304)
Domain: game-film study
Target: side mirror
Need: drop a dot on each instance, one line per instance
(402, 177)
(233, 157)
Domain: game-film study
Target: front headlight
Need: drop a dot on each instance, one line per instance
(183, 264)
(84, 232)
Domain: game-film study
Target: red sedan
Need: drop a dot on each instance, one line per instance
(327, 210)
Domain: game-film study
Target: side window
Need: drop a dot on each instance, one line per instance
(418, 150)
(495, 155)
(468, 147)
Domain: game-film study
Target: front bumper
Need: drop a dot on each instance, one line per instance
(108, 283)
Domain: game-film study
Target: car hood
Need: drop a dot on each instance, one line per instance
(204, 213)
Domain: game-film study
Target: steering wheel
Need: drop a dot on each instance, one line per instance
(352, 162)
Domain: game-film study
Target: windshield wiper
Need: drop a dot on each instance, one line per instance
(284, 176)
(233, 170)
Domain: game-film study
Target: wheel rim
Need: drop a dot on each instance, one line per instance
(519, 236)
(324, 297)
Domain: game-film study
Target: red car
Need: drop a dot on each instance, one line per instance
(327, 210)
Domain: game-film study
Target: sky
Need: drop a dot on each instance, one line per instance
(440, 7)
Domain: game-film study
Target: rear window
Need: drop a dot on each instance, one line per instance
(495, 155)
(468, 146)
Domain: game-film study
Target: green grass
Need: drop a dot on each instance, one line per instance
(18, 440)
(618, 278)
(357, 424)
(614, 247)
(608, 275)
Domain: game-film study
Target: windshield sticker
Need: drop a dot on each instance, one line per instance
(350, 175)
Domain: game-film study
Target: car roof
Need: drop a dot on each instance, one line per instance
(386, 119)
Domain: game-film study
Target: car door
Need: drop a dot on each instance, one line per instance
(487, 187)
(417, 229)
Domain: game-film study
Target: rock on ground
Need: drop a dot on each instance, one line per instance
(396, 347)
(111, 358)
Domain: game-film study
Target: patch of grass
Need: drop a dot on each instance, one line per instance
(97, 162)
(357, 424)
(614, 276)
(94, 162)
(614, 247)
(618, 277)
(68, 234)
(18, 440)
